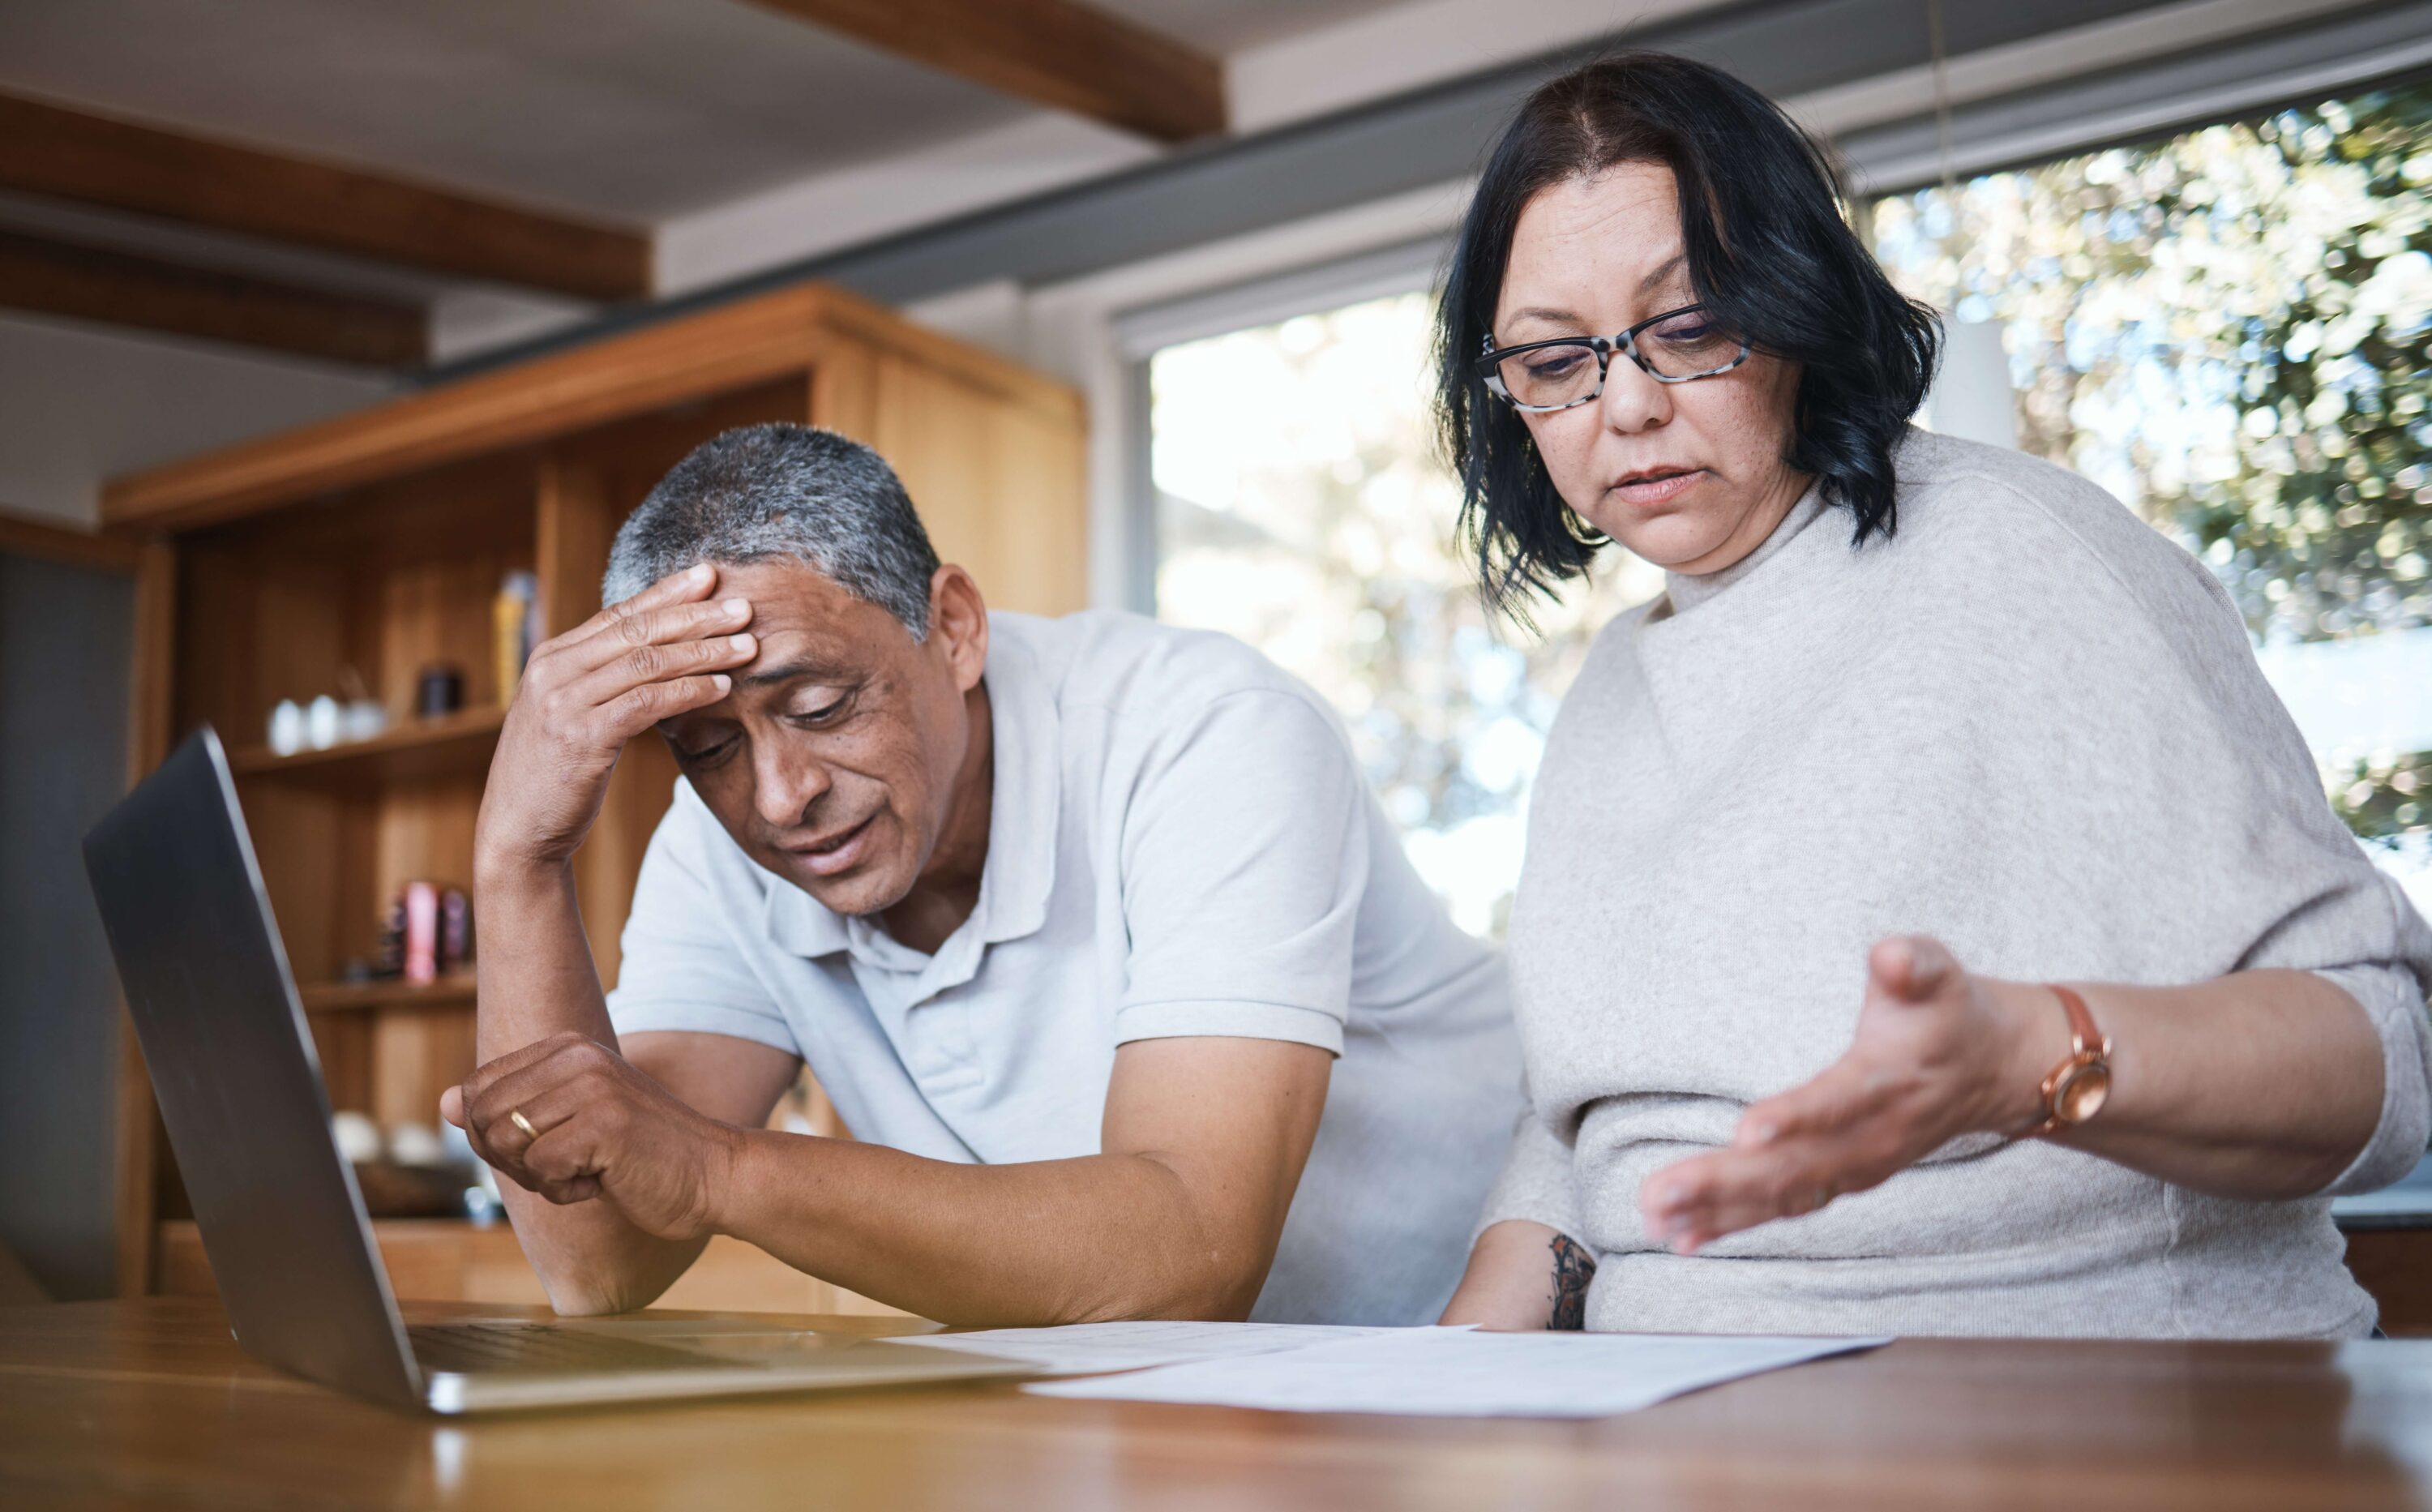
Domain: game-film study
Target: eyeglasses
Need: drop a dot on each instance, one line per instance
(1678, 346)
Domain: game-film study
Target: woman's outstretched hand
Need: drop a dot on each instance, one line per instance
(1938, 1053)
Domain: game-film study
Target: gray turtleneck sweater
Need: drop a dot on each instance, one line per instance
(2026, 724)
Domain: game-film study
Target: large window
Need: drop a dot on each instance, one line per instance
(1301, 507)
(2228, 330)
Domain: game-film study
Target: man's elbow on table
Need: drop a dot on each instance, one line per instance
(1198, 1279)
(580, 1290)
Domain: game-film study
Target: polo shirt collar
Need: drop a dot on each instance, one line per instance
(1026, 797)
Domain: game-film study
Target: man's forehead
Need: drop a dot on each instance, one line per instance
(795, 658)
(808, 626)
(798, 599)
(783, 580)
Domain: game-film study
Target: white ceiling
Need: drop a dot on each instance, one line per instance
(632, 110)
(621, 110)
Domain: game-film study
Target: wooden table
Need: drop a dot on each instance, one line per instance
(150, 1404)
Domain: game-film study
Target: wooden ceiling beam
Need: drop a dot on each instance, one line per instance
(44, 277)
(1055, 53)
(48, 149)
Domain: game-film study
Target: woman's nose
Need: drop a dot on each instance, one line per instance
(1633, 401)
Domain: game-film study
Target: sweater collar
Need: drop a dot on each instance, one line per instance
(1684, 591)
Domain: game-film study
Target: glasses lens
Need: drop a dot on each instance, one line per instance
(1688, 344)
(1550, 375)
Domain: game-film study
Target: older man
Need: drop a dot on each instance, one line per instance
(1090, 927)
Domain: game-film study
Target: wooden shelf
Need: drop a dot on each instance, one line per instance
(346, 997)
(441, 746)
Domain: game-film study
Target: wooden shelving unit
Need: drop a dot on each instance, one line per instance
(436, 746)
(374, 544)
(450, 991)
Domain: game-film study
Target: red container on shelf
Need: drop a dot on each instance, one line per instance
(421, 933)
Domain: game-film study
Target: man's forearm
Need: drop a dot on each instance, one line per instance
(535, 972)
(537, 979)
(1094, 1239)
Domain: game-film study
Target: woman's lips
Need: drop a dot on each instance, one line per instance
(1646, 492)
(841, 856)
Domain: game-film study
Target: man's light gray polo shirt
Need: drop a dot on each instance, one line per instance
(1180, 844)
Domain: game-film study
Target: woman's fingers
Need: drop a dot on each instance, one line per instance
(1704, 1198)
(1845, 1093)
(1880, 1108)
(1701, 1199)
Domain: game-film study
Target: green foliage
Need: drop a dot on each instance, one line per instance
(2386, 800)
(2334, 527)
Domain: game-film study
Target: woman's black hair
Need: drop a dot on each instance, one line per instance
(1768, 255)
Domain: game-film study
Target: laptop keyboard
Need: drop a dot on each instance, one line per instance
(480, 1349)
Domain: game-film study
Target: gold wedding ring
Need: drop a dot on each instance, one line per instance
(516, 1117)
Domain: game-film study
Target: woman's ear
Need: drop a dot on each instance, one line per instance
(958, 624)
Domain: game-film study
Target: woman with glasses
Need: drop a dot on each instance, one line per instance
(1932, 923)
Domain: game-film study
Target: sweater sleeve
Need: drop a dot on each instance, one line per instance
(2394, 999)
(2212, 800)
(1536, 1185)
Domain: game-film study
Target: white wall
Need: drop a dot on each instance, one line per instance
(1072, 329)
(80, 403)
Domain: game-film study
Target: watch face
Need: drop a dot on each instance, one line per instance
(2082, 1093)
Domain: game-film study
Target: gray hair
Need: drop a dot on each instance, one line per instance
(776, 492)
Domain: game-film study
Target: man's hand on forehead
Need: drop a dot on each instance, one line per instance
(666, 651)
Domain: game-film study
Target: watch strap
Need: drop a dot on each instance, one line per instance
(2081, 1022)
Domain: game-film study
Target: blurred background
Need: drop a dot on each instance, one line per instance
(285, 283)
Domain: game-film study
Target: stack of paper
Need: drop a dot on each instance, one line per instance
(1457, 1373)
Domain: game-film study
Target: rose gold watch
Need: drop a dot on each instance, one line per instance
(2078, 1086)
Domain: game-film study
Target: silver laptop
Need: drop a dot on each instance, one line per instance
(241, 1092)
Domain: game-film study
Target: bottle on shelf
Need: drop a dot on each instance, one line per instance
(515, 623)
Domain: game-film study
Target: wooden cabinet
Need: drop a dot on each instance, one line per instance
(367, 548)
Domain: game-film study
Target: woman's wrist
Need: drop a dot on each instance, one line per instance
(1511, 1283)
(2034, 1038)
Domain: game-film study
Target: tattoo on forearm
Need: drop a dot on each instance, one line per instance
(1574, 1268)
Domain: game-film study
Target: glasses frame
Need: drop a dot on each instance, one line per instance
(1491, 357)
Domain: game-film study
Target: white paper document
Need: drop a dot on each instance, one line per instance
(1091, 1348)
(1460, 1373)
